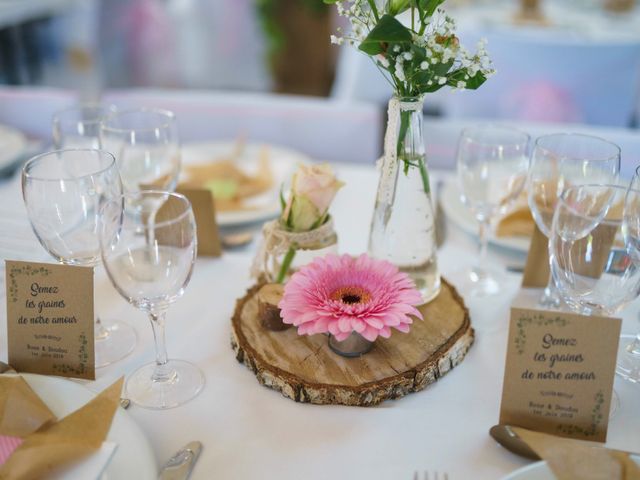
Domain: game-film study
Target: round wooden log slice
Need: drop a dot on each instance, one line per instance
(304, 369)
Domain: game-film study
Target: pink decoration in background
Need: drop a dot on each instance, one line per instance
(7, 447)
(343, 294)
(541, 101)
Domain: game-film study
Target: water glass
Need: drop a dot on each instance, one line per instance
(559, 161)
(145, 144)
(492, 163)
(590, 264)
(62, 191)
(79, 126)
(628, 366)
(148, 243)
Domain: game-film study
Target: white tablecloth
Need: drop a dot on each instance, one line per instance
(251, 432)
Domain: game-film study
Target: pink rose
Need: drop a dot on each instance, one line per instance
(314, 188)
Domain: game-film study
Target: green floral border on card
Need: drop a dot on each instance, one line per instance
(83, 358)
(25, 269)
(537, 319)
(597, 416)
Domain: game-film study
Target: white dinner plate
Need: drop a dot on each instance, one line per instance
(265, 206)
(541, 471)
(12, 145)
(460, 215)
(133, 458)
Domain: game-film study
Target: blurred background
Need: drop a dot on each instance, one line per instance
(574, 61)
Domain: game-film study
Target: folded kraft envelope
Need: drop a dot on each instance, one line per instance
(572, 459)
(54, 444)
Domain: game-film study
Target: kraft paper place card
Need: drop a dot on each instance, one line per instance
(559, 373)
(203, 210)
(536, 270)
(50, 319)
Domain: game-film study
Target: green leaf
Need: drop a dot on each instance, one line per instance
(388, 30)
(330, 2)
(283, 202)
(473, 83)
(430, 6)
(374, 9)
(399, 6)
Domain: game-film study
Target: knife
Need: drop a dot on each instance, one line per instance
(180, 465)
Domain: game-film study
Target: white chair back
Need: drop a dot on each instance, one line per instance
(551, 79)
(324, 129)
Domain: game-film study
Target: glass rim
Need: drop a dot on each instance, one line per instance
(58, 116)
(169, 119)
(123, 197)
(466, 132)
(37, 158)
(622, 188)
(542, 138)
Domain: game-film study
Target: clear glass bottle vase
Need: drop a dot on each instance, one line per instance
(403, 225)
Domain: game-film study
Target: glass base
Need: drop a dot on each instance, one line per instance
(550, 299)
(353, 346)
(628, 366)
(113, 342)
(185, 381)
(483, 283)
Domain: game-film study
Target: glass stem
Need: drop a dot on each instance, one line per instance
(549, 289)
(100, 333)
(161, 373)
(482, 253)
(634, 347)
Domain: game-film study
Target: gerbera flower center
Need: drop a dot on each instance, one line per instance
(351, 295)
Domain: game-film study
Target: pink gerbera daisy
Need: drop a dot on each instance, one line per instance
(343, 294)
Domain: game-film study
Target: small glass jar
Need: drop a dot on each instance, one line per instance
(283, 252)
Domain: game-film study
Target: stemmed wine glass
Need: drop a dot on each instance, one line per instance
(628, 366)
(590, 265)
(146, 146)
(79, 126)
(492, 163)
(557, 162)
(148, 243)
(62, 191)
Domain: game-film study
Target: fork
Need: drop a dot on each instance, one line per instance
(426, 475)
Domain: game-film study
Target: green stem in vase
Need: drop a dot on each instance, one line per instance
(405, 116)
(425, 175)
(286, 264)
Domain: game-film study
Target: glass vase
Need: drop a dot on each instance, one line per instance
(282, 252)
(403, 225)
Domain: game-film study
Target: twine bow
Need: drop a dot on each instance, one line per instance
(276, 241)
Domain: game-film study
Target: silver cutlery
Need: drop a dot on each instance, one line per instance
(505, 436)
(515, 268)
(426, 475)
(180, 465)
(6, 368)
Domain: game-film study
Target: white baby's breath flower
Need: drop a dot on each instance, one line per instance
(400, 71)
(396, 48)
(461, 84)
(442, 80)
(382, 60)
(424, 65)
(407, 55)
(336, 40)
